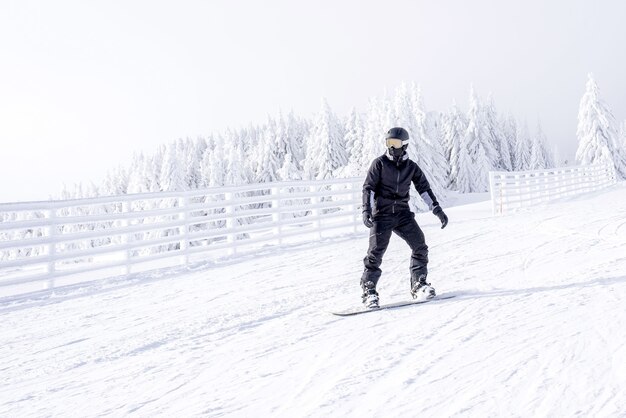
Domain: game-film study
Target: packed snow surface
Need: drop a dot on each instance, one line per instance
(538, 328)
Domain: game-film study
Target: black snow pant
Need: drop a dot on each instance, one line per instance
(404, 225)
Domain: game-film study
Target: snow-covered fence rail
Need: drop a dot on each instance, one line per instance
(516, 190)
(55, 243)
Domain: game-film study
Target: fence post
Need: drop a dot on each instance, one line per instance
(51, 248)
(315, 212)
(278, 230)
(492, 188)
(126, 209)
(183, 230)
(502, 181)
(230, 222)
(356, 201)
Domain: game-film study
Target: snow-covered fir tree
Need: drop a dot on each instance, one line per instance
(115, 183)
(427, 150)
(373, 136)
(326, 150)
(150, 172)
(250, 137)
(453, 130)
(597, 133)
(354, 140)
(523, 147)
(268, 156)
(508, 127)
(465, 173)
(136, 181)
(172, 173)
(235, 168)
(192, 153)
(540, 155)
(405, 114)
(296, 130)
(501, 159)
(328, 147)
(476, 141)
(214, 164)
(289, 171)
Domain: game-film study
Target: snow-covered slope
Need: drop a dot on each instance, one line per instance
(537, 329)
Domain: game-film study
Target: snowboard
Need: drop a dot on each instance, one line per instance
(362, 310)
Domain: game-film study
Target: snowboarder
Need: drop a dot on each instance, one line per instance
(386, 210)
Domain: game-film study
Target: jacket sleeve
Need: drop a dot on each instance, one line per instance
(369, 187)
(423, 188)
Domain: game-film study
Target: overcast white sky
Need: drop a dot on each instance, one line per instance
(84, 84)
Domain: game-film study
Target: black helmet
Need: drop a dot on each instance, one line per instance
(399, 133)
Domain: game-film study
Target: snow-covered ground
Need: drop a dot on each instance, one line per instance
(538, 328)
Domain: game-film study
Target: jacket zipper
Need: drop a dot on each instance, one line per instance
(393, 206)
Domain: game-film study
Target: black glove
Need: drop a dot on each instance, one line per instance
(367, 219)
(441, 215)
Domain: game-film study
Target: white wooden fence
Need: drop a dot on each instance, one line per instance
(53, 243)
(515, 190)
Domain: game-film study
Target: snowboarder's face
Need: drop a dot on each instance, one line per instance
(396, 153)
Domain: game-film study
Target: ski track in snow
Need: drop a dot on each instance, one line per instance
(536, 329)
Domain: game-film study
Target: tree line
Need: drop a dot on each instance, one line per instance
(455, 149)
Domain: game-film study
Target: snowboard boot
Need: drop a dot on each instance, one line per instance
(370, 295)
(422, 290)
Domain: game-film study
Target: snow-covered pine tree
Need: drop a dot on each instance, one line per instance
(115, 183)
(523, 146)
(537, 154)
(192, 156)
(136, 180)
(157, 163)
(476, 141)
(444, 121)
(501, 160)
(540, 155)
(283, 144)
(268, 158)
(373, 135)
(508, 126)
(290, 135)
(597, 134)
(235, 167)
(465, 173)
(250, 139)
(353, 139)
(427, 150)
(289, 171)
(405, 114)
(217, 163)
(296, 131)
(205, 170)
(326, 151)
(453, 131)
(151, 170)
(172, 175)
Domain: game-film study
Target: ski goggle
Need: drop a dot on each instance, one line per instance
(395, 143)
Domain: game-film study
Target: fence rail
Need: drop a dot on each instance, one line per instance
(54, 243)
(511, 191)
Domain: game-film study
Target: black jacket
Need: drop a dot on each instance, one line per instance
(387, 185)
